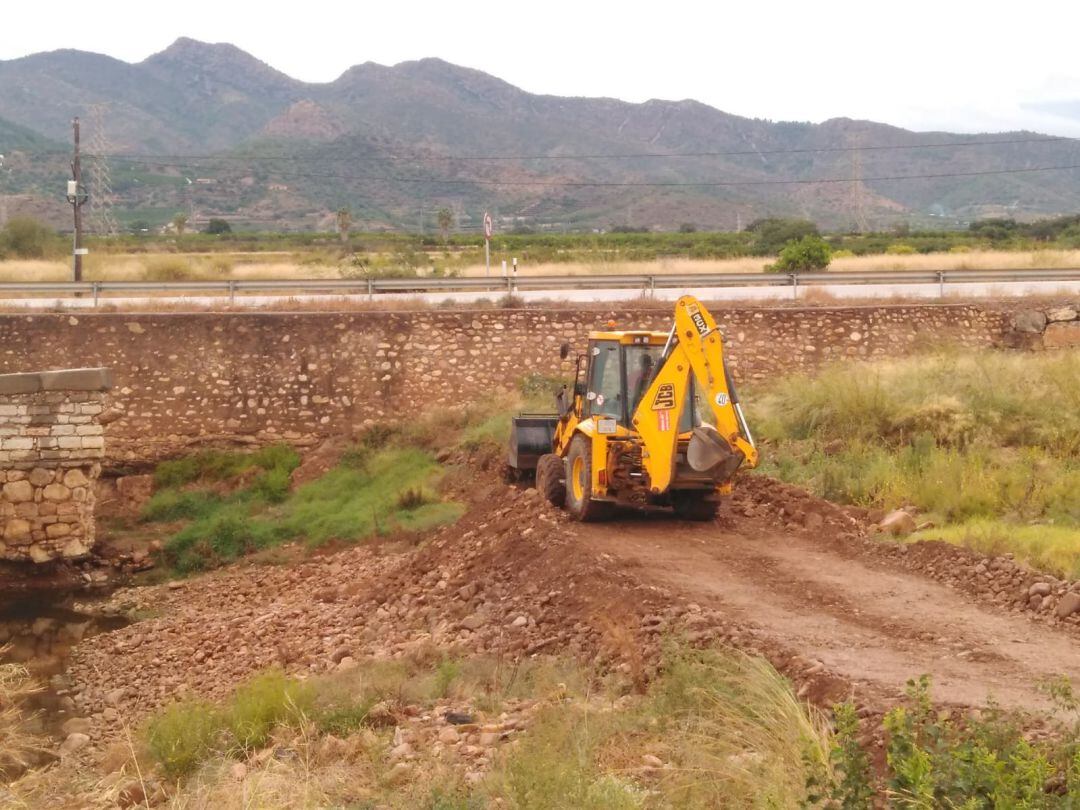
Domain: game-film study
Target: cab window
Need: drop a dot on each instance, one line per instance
(605, 396)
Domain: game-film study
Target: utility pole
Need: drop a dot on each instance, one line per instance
(77, 197)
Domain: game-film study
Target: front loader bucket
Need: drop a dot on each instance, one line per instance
(531, 436)
(709, 453)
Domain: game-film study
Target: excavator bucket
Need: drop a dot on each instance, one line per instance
(709, 453)
(531, 436)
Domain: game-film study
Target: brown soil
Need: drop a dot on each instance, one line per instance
(781, 574)
(870, 624)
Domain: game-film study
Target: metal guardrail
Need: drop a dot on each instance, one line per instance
(644, 282)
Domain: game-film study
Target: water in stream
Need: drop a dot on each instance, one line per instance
(39, 633)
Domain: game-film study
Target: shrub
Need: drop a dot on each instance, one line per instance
(183, 735)
(266, 701)
(412, 498)
(170, 504)
(273, 485)
(806, 255)
(167, 268)
(772, 234)
(900, 250)
(26, 238)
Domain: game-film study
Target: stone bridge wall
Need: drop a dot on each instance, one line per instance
(187, 379)
(51, 445)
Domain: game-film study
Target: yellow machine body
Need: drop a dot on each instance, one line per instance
(653, 418)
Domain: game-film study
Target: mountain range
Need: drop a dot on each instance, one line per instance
(210, 130)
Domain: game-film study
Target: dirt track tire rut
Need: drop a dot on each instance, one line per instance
(869, 622)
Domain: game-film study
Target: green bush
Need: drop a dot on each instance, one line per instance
(772, 234)
(900, 250)
(986, 443)
(26, 238)
(172, 504)
(809, 254)
(985, 763)
(266, 701)
(183, 735)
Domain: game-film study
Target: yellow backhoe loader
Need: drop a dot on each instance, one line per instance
(653, 419)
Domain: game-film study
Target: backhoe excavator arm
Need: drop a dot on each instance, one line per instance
(696, 347)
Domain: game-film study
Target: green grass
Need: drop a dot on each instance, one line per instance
(373, 492)
(972, 439)
(266, 701)
(729, 726)
(235, 503)
(184, 734)
(221, 465)
(349, 503)
(1047, 547)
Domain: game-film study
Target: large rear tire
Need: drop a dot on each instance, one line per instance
(579, 501)
(551, 478)
(693, 505)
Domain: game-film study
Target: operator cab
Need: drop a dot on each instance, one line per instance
(619, 370)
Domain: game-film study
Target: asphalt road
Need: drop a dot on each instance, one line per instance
(929, 291)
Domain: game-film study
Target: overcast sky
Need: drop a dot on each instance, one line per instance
(949, 65)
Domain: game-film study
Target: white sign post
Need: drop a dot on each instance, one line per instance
(487, 243)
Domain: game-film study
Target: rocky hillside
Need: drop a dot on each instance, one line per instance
(380, 139)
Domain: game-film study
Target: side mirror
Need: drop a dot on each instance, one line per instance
(564, 351)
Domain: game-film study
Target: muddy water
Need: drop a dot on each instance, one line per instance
(39, 633)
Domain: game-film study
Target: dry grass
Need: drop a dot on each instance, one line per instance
(265, 266)
(19, 744)
(972, 260)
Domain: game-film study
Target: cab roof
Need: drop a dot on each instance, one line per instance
(628, 336)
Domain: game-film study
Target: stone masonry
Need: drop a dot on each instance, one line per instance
(184, 380)
(51, 446)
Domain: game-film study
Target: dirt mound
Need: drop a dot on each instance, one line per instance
(509, 578)
(781, 573)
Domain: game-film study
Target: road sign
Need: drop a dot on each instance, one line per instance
(488, 226)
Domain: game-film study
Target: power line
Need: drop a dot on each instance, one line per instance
(644, 184)
(328, 155)
(101, 193)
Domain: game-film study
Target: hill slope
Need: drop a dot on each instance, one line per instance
(382, 140)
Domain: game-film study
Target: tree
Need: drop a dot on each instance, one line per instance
(445, 218)
(688, 227)
(803, 256)
(26, 238)
(344, 223)
(218, 227)
(180, 223)
(771, 234)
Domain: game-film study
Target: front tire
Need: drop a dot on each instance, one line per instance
(550, 474)
(579, 500)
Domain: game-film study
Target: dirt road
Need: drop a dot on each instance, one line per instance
(868, 622)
